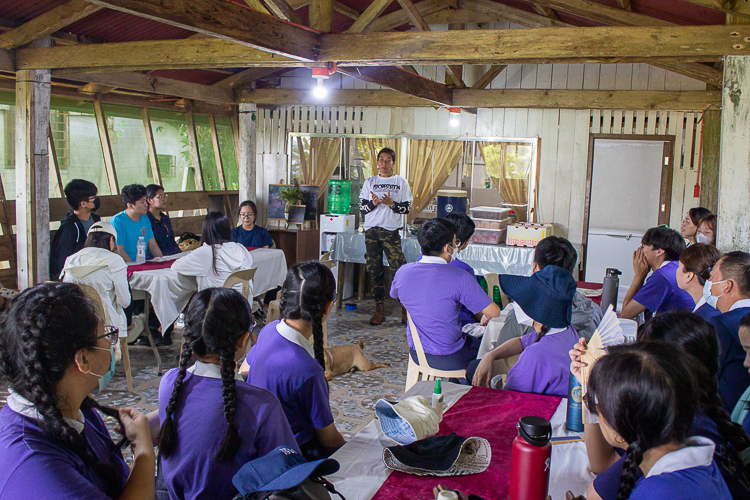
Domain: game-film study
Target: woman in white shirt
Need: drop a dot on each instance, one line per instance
(217, 258)
(99, 265)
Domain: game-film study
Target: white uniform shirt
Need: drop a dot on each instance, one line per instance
(383, 216)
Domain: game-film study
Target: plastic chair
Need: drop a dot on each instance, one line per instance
(245, 277)
(414, 371)
(325, 259)
(492, 281)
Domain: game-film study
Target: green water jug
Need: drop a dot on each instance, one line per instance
(339, 196)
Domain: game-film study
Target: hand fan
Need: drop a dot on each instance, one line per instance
(608, 333)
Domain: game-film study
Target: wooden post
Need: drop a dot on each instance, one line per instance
(109, 159)
(321, 14)
(246, 158)
(194, 152)
(152, 156)
(734, 175)
(32, 173)
(710, 160)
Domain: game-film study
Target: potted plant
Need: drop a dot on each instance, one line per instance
(294, 211)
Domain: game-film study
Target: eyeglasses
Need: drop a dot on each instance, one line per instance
(591, 405)
(162, 197)
(385, 160)
(111, 333)
(247, 216)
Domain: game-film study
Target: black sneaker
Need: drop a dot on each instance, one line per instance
(142, 340)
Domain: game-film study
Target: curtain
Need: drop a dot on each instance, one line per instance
(514, 191)
(368, 148)
(319, 165)
(430, 164)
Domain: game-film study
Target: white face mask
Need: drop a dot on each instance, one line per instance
(702, 238)
(711, 299)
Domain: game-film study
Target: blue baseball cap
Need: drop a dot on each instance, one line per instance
(546, 296)
(281, 469)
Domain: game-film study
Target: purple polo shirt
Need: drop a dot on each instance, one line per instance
(543, 367)
(32, 465)
(290, 372)
(433, 293)
(466, 317)
(660, 293)
(191, 471)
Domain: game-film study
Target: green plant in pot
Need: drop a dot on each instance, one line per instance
(294, 211)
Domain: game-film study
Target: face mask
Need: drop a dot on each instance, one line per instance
(702, 238)
(97, 204)
(711, 299)
(104, 379)
(454, 255)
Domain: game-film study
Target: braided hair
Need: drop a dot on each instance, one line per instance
(646, 392)
(308, 289)
(40, 333)
(216, 320)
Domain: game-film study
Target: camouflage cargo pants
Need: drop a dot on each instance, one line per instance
(377, 241)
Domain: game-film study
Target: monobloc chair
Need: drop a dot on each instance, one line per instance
(492, 282)
(245, 277)
(415, 371)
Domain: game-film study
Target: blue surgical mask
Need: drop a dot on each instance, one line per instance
(711, 299)
(104, 379)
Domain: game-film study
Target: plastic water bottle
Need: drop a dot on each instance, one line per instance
(140, 258)
(437, 399)
(496, 297)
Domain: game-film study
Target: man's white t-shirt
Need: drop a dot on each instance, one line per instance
(383, 216)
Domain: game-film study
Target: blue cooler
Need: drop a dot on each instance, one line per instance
(451, 201)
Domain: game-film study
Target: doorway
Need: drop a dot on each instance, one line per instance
(628, 190)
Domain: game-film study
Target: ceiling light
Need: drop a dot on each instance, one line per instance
(455, 116)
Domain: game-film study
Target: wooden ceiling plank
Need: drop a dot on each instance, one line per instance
(47, 23)
(371, 13)
(402, 81)
(225, 20)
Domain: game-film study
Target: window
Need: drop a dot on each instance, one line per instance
(127, 137)
(228, 151)
(173, 150)
(206, 151)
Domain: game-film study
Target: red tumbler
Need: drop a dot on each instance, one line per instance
(530, 459)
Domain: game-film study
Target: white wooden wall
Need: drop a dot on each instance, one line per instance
(564, 133)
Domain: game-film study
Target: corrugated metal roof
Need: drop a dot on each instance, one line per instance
(202, 76)
(25, 10)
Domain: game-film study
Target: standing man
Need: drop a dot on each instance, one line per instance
(160, 223)
(69, 239)
(383, 200)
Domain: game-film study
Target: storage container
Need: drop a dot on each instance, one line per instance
(488, 236)
(490, 223)
(451, 201)
(525, 234)
(495, 213)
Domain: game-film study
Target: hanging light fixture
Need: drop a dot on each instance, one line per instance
(320, 75)
(455, 116)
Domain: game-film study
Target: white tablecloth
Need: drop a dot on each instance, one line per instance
(362, 471)
(171, 291)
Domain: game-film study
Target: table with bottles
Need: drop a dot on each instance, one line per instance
(363, 472)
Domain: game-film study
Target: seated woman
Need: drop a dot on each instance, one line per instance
(688, 332)
(247, 233)
(645, 396)
(284, 361)
(99, 265)
(211, 423)
(689, 226)
(54, 352)
(693, 271)
(546, 298)
(707, 230)
(217, 257)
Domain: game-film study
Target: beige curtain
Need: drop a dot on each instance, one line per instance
(318, 166)
(430, 165)
(368, 148)
(512, 191)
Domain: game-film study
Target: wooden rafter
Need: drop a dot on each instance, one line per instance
(225, 20)
(731, 6)
(598, 12)
(47, 23)
(7, 60)
(499, 98)
(487, 78)
(545, 11)
(244, 77)
(96, 89)
(471, 11)
(282, 10)
(337, 6)
(399, 17)
(320, 14)
(402, 81)
(257, 5)
(624, 4)
(367, 17)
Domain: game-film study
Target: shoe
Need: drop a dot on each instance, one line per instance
(379, 316)
(142, 340)
(403, 315)
(137, 323)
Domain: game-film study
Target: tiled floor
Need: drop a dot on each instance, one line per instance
(353, 395)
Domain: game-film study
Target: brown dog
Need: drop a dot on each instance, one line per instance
(348, 358)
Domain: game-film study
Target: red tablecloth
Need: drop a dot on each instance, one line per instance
(591, 286)
(486, 413)
(150, 266)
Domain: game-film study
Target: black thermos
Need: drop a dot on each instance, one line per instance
(610, 289)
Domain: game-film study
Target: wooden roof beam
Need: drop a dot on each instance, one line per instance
(320, 14)
(399, 17)
(729, 6)
(7, 60)
(47, 23)
(497, 98)
(225, 20)
(282, 10)
(257, 5)
(487, 78)
(545, 11)
(244, 77)
(337, 6)
(367, 17)
(624, 4)
(403, 81)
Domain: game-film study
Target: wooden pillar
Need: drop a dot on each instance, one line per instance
(32, 173)
(710, 160)
(195, 155)
(734, 174)
(246, 134)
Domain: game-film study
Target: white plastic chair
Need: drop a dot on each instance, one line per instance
(415, 371)
(245, 277)
(492, 281)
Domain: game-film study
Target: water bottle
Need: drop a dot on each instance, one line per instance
(574, 419)
(483, 284)
(610, 289)
(530, 459)
(140, 258)
(437, 399)
(496, 297)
